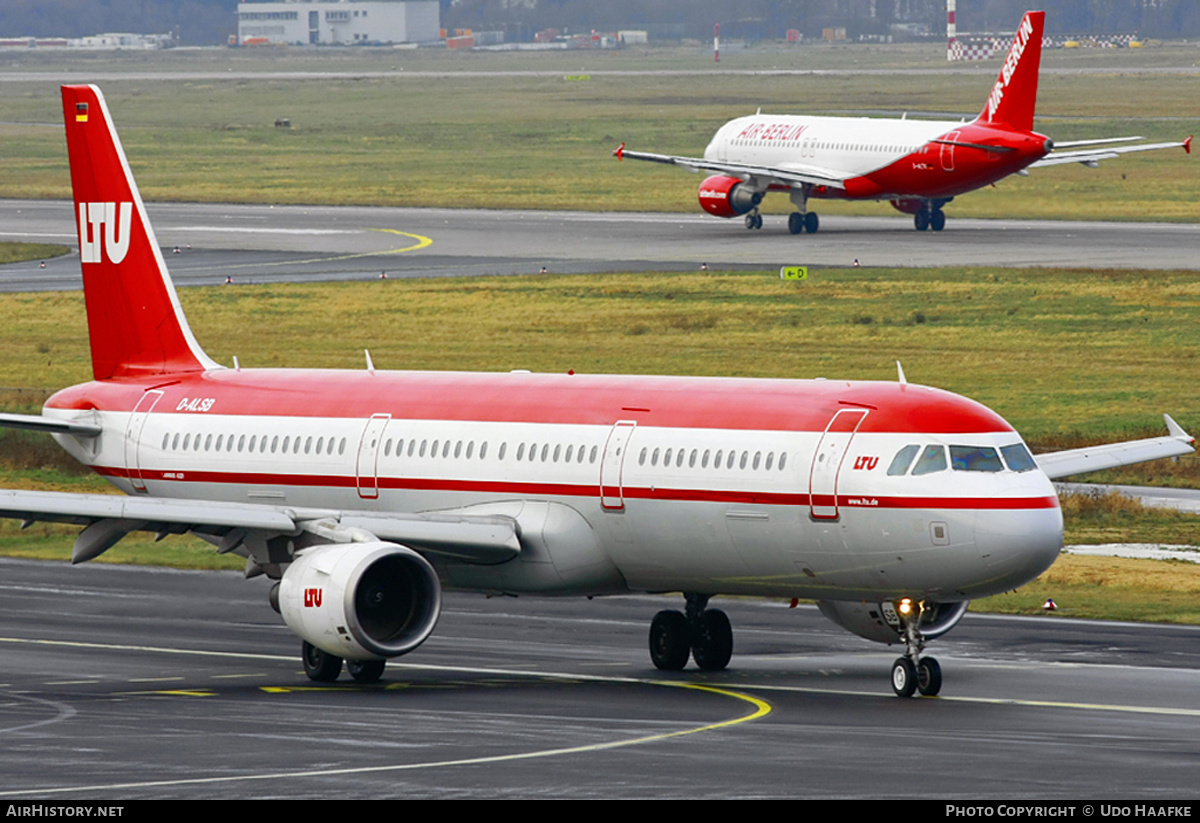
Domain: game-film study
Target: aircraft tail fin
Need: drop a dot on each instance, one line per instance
(1014, 96)
(135, 323)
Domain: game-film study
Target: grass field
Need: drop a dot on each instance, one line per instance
(392, 127)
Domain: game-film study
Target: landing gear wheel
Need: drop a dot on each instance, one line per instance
(319, 665)
(754, 220)
(795, 222)
(713, 644)
(811, 222)
(670, 640)
(921, 220)
(937, 220)
(904, 677)
(929, 677)
(366, 671)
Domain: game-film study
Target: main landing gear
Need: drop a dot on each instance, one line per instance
(703, 633)
(913, 673)
(323, 667)
(930, 218)
(803, 222)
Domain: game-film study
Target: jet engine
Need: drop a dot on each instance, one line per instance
(361, 601)
(879, 621)
(723, 196)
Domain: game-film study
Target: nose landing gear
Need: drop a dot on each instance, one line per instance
(913, 673)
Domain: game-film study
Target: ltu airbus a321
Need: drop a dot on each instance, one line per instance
(364, 493)
(918, 165)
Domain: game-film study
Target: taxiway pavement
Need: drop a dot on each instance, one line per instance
(276, 243)
(127, 682)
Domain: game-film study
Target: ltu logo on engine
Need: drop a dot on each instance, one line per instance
(312, 598)
(93, 217)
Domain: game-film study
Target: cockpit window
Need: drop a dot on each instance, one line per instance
(903, 460)
(975, 459)
(1018, 457)
(932, 459)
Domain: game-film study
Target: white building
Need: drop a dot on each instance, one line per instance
(347, 23)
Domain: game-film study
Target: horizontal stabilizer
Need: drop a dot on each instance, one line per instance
(1070, 462)
(1089, 157)
(52, 425)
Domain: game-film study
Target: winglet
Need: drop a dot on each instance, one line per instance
(619, 152)
(135, 323)
(1176, 430)
(1187, 144)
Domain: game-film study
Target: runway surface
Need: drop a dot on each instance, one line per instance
(126, 682)
(274, 243)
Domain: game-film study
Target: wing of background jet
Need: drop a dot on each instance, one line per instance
(1102, 150)
(107, 518)
(1058, 465)
(790, 175)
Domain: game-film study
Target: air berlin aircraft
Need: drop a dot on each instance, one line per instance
(918, 165)
(363, 493)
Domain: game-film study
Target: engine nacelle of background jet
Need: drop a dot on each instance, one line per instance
(723, 196)
(879, 622)
(361, 601)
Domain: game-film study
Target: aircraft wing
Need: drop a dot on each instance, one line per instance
(790, 175)
(1103, 150)
(107, 518)
(1058, 465)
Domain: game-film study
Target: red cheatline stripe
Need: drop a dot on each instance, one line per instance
(851, 501)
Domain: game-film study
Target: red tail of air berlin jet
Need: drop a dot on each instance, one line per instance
(918, 165)
(363, 493)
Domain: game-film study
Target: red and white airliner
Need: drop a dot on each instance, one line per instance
(363, 493)
(918, 165)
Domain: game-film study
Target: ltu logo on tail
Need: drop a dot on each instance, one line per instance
(115, 236)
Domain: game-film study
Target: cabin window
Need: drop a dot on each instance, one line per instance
(166, 440)
(592, 457)
(253, 441)
(483, 450)
(520, 451)
(458, 449)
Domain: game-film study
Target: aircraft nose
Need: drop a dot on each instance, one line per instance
(1018, 545)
